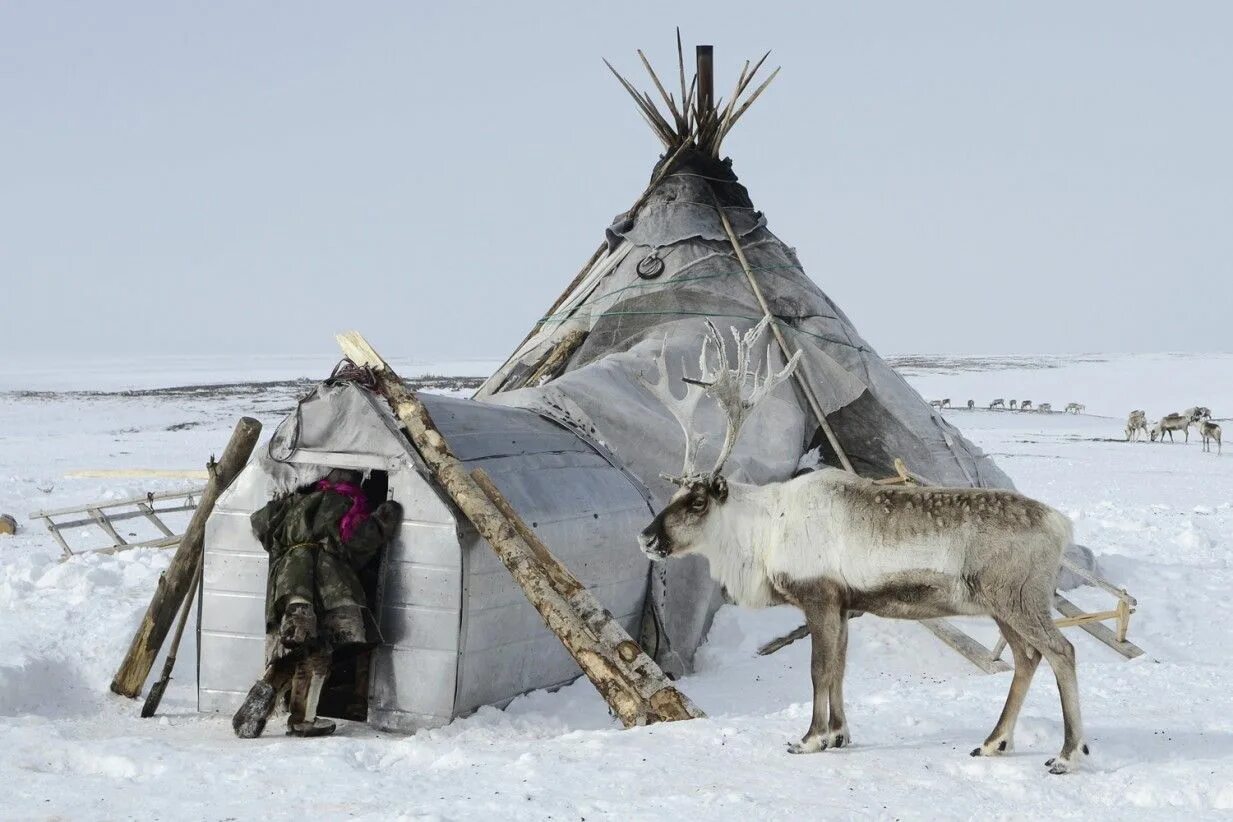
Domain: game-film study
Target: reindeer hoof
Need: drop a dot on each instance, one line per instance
(821, 742)
(993, 748)
(1067, 763)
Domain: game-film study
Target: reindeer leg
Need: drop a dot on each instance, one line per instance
(1001, 738)
(837, 723)
(1040, 632)
(825, 619)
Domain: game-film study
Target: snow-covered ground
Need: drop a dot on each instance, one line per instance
(1160, 518)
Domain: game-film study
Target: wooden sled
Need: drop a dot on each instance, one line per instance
(105, 515)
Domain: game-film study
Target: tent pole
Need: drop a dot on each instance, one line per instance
(664, 170)
(705, 57)
(783, 344)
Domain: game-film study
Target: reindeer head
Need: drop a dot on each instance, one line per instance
(682, 525)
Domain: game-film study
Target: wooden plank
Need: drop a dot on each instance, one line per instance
(628, 680)
(106, 525)
(973, 651)
(161, 542)
(119, 516)
(1082, 617)
(557, 357)
(153, 517)
(1100, 631)
(81, 509)
(55, 532)
(1098, 581)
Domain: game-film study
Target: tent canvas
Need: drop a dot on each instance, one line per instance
(695, 247)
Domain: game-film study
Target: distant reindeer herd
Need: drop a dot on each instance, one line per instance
(1015, 405)
(1197, 417)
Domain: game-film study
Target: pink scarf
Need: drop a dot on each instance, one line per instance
(359, 511)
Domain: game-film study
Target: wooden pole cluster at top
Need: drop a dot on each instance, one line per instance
(629, 681)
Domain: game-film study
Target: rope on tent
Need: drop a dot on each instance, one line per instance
(788, 353)
(777, 321)
(664, 285)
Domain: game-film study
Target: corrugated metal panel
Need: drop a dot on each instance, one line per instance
(586, 510)
(232, 628)
(458, 631)
(414, 671)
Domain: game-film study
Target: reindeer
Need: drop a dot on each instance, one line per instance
(830, 542)
(1170, 423)
(935, 403)
(1026, 405)
(946, 403)
(1198, 412)
(1014, 405)
(971, 405)
(1209, 431)
(1045, 408)
(1136, 423)
(998, 403)
(1075, 408)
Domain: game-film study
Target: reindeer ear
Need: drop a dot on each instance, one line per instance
(719, 487)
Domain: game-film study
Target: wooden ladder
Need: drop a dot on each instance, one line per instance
(105, 515)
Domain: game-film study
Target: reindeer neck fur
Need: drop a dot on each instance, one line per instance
(737, 531)
(752, 525)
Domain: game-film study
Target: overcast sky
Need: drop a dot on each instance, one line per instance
(252, 177)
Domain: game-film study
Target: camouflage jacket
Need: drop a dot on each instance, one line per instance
(308, 557)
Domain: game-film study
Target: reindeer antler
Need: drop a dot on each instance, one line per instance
(725, 385)
(682, 409)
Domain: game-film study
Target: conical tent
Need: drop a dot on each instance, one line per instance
(695, 247)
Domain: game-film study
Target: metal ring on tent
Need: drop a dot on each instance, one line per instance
(650, 266)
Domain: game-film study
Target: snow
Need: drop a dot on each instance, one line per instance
(1159, 517)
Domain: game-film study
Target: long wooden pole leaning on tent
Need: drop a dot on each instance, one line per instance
(787, 350)
(176, 581)
(628, 680)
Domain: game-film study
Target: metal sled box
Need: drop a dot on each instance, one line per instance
(457, 631)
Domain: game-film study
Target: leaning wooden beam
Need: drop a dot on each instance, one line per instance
(155, 696)
(973, 651)
(175, 582)
(557, 357)
(629, 681)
